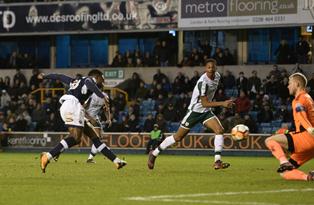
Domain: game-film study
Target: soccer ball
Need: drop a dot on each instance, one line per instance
(240, 132)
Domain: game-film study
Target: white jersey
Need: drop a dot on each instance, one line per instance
(95, 105)
(203, 87)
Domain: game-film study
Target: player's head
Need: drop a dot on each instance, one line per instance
(97, 76)
(210, 66)
(297, 81)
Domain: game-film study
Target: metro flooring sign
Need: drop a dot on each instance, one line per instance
(245, 13)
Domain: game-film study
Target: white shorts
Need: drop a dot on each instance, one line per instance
(71, 111)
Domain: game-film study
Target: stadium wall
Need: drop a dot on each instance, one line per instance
(147, 73)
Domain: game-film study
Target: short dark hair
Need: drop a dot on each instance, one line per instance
(94, 72)
(211, 60)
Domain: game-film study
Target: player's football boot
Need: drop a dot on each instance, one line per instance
(90, 161)
(56, 158)
(285, 167)
(310, 176)
(121, 163)
(44, 161)
(151, 160)
(221, 165)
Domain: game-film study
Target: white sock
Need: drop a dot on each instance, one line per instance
(90, 156)
(94, 150)
(116, 160)
(49, 156)
(219, 143)
(164, 145)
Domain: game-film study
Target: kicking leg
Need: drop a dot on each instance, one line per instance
(92, 154)
(94, 134)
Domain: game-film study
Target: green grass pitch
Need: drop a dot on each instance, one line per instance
(175, 180)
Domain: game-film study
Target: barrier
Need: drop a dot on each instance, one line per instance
(193, 143)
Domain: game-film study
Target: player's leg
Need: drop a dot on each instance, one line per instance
(72, 113)
(148, 146)
(92, 154)
(213, 123)
(303, 152)
(101, 147)
(167, 142)
(73, 139)
(279, 145)
(190, 119)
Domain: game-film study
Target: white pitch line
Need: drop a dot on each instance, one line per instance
(151, 198)
(215, 202)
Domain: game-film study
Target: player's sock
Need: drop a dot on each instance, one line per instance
(164, 145)
(277, 151)
(101, 147)
(93, 152)
(63, 145)
(219, 143)
(294, 174)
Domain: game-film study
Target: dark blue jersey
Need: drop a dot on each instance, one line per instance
(82, 88)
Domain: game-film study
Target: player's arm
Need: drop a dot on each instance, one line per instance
(54, 76)
(206, 103)
(302, 117)
(93, 87)
(106, 108)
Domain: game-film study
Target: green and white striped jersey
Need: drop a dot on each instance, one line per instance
(204, 87)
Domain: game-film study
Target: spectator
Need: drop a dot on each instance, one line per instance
(283, 52)
(283, 114)
(242, 82)
(162, 124)
(302, 50)
(254, 85)
(271, 87)
(2, 84)
(20, 77)
(133, 125)
(148, 60)
(170, 114)
(228, 80)
(159, 77)
(156, 138)
(248, 121)
(275, 72)
(193, 80)
(265, 115)
(142, 91)
(119, 102)
(283, 91)
(242, 103)
(149, 122)
(13, 60)
(21, 123)
(134, 85)
(164, 54)
(227, 57)
(39, 117)
(5, 100)
(34, 81)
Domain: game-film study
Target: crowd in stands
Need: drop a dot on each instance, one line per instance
(162, 55)
(300, 53)
(18, 60)
(198, 56)
(261, 104)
